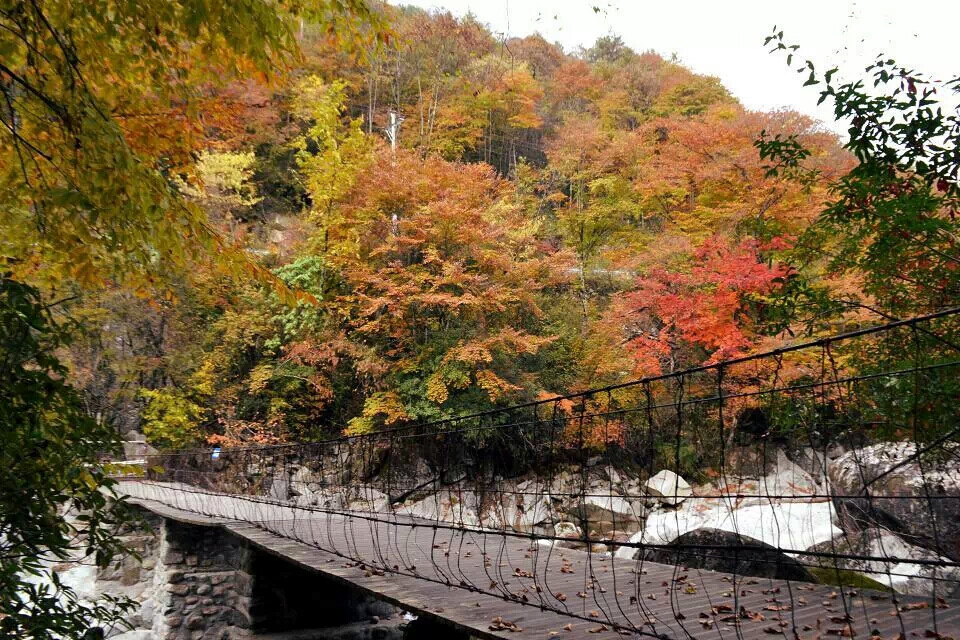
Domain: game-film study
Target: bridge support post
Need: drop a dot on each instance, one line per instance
(204, 584)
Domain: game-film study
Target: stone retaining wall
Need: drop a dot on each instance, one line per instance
(203, 583)
(205, 587)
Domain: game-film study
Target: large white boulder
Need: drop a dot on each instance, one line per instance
(668, 487)
(791, 527)
(886, 482)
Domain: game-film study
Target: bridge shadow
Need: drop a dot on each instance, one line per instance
(294, 603)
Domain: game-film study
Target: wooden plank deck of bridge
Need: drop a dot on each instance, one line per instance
(471, 578)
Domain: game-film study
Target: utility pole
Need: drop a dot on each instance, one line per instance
(393, 134)
(393, 131)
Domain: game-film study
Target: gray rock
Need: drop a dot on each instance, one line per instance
(371, 501)
(147, 611)
(335, 501)
(280, 487)
(195, 621)
(629, 553)
(719, 550)
(813, 461)
(613, 475)
(521, 510)
(897, 571)
(614, 509)
(138, 634)
(834, 451)
(131, 572)
(137, 450)
(447, 506)
(882, 485)
(783, 481)
(304, 482)
(567, 530)
(305, 500)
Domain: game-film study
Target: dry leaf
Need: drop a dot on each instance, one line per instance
(846, 631)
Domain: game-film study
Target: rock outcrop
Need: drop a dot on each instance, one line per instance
(887, 484)
(789, 526)
(786, 508)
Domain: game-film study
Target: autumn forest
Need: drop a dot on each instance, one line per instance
(235, 224)
(421, 220)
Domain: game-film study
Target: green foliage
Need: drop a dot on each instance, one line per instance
(609, 49)
(170, 420)
(891, 227)
(49, 468)
(893, 215)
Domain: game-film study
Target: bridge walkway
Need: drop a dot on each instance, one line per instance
(531, 590)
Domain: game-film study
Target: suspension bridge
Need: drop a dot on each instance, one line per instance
(824, 501)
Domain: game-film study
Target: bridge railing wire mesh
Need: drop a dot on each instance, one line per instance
(788, 492)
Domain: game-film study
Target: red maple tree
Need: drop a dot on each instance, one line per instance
(683, 318)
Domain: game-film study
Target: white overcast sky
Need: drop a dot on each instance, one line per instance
(725, 38)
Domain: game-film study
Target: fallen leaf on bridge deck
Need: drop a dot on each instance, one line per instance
(499, 624)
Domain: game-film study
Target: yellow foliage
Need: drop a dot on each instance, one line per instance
(437, 389)
(494, 385)
(385, 406)
(260, 377)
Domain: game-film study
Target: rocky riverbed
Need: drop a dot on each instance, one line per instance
(881, 512)
(814, 510)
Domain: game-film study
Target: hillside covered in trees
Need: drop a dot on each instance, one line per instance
(545, 222)
(289, 221)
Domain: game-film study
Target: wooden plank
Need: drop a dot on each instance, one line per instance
(469, 577)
